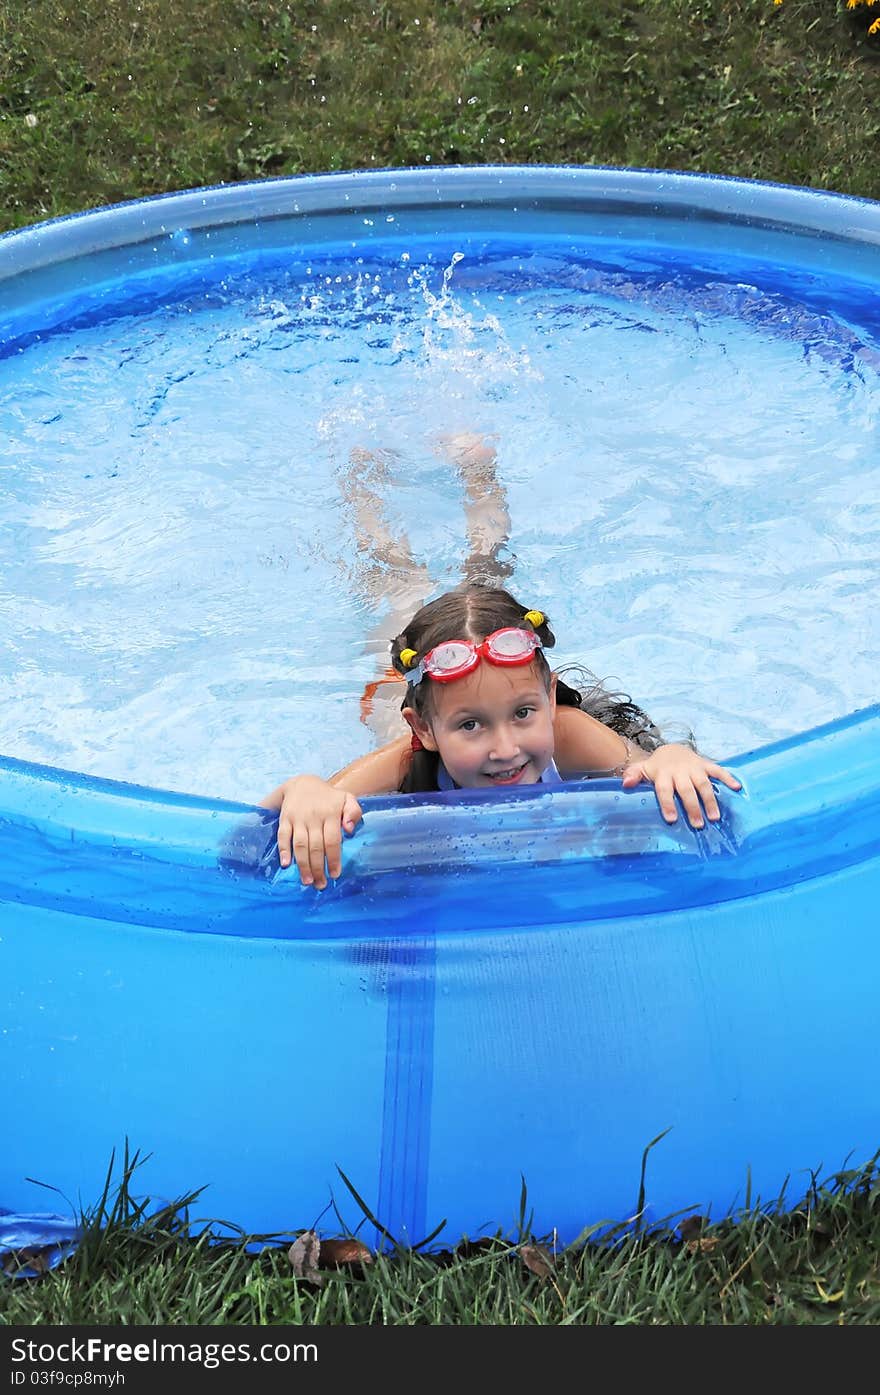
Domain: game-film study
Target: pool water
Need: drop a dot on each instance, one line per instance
(688, 446)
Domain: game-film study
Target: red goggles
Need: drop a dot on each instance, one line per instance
(455, 658)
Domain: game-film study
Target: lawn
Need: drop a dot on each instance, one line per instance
(111, 99)
(812, 1256)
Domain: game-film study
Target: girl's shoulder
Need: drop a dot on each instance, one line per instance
(612, 707)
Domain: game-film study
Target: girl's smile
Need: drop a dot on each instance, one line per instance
(508, 777)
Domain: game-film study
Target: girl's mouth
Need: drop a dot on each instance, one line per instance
(507, 777)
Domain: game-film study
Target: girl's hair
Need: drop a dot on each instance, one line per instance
(473, 612)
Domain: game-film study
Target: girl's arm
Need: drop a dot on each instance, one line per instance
(313, 812)
(378, 772)
(583, 743)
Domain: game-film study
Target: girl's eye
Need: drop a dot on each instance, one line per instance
(469, 724)
(523, 712)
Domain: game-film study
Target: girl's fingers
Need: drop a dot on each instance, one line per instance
(313, 838)
(284, 834)
(707, 794)
(633, 775)
(691, 784)
(726, 778)
(691, 801)
(300, 846)
(333, 846)
(317, 854)
(665, 792)
(351, 813)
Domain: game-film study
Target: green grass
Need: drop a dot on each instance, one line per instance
(814, 1262)
(131, 99)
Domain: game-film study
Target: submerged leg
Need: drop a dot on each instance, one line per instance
(387, 573)
(387, 570)
(487, 517)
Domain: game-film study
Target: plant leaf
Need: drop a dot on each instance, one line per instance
(367, 1212)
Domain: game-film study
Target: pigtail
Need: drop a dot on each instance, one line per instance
(403, 656)
(421, 774)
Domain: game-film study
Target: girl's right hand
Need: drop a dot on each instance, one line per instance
(313, 815)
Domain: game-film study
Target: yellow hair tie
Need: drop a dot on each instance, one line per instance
(408, 657)
(535, 617)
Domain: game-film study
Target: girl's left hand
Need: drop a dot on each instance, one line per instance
(677, 770)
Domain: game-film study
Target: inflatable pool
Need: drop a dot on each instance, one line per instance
(503, 988)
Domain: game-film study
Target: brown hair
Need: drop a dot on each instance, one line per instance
(470, 612)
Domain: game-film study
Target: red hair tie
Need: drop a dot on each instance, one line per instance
(416, 744)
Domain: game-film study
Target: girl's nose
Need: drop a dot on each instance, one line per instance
(504, 745)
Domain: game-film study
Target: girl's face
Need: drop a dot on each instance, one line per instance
(492, 727)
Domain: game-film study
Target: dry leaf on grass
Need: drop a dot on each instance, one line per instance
(304, 1255)
(346, 1251)
(36, 1258)
(704, 1245)
(538, 1260)
(692, 1230)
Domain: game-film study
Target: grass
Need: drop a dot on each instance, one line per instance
(116, 99)
(814, 1262)
(112, 99)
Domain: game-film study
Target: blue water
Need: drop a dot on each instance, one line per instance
(688, 445)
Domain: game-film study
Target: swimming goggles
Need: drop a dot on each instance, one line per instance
(455, 658)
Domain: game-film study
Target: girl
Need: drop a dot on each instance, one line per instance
(485, 711)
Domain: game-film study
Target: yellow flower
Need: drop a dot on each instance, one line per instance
(851, 5)
(873, 28)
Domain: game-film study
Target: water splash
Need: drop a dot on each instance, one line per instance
(452, 337)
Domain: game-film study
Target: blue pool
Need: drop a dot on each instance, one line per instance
(680, 374)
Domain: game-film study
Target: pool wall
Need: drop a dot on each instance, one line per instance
(533, 985)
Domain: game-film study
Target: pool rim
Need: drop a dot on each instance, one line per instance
(765, 204)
